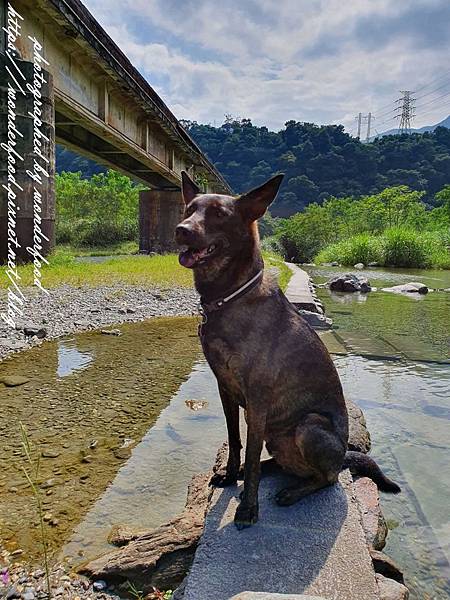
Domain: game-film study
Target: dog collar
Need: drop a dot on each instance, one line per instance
(206, 307)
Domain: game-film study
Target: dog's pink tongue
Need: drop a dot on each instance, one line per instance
(187, 259)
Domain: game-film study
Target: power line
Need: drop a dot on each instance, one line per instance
(444, 104)
(433, 91)
(434, 100)
(433, 81)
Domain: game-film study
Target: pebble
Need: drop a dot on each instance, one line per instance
(99, 585)
(65, 309)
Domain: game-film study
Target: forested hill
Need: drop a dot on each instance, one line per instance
(323, 161)
(319, 161)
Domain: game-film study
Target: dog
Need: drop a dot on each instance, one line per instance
(266, 358)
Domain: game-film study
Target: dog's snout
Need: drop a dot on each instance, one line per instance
(183, 233)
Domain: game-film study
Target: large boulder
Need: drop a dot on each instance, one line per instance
(413, 287)
(349, 283)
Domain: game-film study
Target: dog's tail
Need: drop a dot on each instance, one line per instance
(363, 465)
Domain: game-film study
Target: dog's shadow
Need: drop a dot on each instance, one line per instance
(282, 553)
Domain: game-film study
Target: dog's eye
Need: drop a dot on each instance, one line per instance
(190, 210)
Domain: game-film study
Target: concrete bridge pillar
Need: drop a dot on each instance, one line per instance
(27, 207)
(160, 211)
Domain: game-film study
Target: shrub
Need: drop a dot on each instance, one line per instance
(93, 232)
(272, 244)
(362, 248)
(405, 248)
(397, 247)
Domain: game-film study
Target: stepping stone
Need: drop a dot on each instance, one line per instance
(367, 346)
(417, 349)
(334, 346)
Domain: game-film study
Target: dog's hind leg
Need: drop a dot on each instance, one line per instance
(229, 475)
(314, 452)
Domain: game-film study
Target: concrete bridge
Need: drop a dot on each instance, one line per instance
(95, 102)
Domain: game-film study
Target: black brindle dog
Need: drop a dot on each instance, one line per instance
(266, 358)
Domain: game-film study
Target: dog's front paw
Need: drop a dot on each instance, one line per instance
(245, 516)
(223, 479)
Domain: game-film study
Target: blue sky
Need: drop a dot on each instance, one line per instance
(274, 60)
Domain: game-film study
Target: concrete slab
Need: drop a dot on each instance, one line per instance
(417, 349)
(315, 547)
(334, 346)
(298, 291)
(367, 346)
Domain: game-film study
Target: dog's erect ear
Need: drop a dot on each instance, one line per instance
(189, 189)
(254, 204)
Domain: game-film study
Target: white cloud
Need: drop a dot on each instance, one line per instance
(274, 60)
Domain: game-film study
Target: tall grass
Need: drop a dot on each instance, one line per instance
(31, 472)
(161, 271)
(396, 247)
(96, 232)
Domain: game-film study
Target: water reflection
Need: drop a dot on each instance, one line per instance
(405, 395)
(70, 359)
(151, 487)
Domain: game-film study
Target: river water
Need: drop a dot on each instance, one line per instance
(122, 423)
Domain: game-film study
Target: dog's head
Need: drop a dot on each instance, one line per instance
(217, 228)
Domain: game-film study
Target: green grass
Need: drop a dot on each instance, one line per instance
(396, 247)
(161, 271)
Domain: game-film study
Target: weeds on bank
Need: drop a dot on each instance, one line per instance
(31, 472)
(161, 271)
(153, 595)
(396, 247)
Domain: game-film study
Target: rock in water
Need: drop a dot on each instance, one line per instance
(162, 556)
(359, 266)
(358, 435)
(384, 565)
(316, 320)
(349, 283)
(390, 589)
(13, 380)
(408, 288)
(373, 522)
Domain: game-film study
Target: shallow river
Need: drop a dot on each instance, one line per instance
(119, 437)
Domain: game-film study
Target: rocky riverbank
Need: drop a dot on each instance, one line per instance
(67, 310)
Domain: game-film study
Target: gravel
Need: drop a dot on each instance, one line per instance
(18, 581)
(67, 310)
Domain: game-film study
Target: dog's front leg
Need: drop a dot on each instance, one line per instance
(247, 511)
(229, 475)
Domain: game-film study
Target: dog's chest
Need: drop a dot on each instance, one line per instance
(225, 361)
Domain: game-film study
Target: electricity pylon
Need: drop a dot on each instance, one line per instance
(360, 118)
(406, 111)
